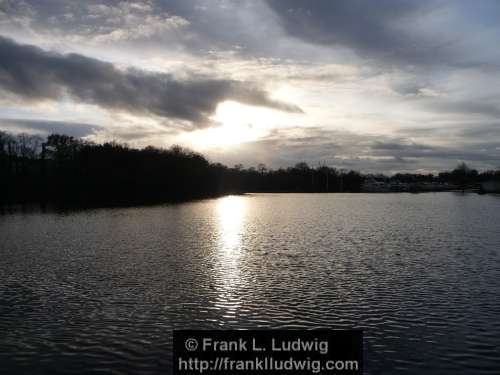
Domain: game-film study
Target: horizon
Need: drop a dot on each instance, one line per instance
(35, 145)
(411, 89)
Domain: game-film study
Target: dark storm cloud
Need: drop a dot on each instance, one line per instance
(74, 129)
(34, 74)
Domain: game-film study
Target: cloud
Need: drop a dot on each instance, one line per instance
(413, 88)
(370, 29)
(365, 152)
(90, 22)
(486, 107)
(35, 74)
(75, 129)
(183, 25)
(122, 21)
(399, 33)
(424, 72)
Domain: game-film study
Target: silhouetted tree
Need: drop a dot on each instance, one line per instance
(463, 176)
(65, 169)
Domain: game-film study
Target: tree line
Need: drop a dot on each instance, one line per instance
(64, 169)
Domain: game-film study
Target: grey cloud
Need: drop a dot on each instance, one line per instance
(365, 152)
(462, 133)
(394, 146)
(392, 30)
(245, 27)
(479, 106)
(197, 26)
(398, 32)
(91, 21)
(482, 155)
(412, 150)
(35, 74)
(415, 87)
(75, 129)
(485, 130)
(369, 28)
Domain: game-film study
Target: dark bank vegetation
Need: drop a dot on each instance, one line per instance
(63, 169)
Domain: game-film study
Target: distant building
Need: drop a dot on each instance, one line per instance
(376, 186)
(373, 185)
(490, 186)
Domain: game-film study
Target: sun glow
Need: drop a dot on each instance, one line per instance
(239, 124)
(224, 136)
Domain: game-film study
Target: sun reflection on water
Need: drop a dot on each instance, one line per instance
(230, 211)
(230, 214)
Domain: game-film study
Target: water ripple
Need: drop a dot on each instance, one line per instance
(101, 291)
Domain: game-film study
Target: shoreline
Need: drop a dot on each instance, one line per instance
(63, 207)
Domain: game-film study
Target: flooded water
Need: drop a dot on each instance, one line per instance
(96, 290)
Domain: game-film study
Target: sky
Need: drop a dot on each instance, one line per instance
(378, 86)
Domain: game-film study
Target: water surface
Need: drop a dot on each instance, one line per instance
(102, 289)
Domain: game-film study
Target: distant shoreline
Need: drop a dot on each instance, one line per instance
(51, 207)
(66, 171)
